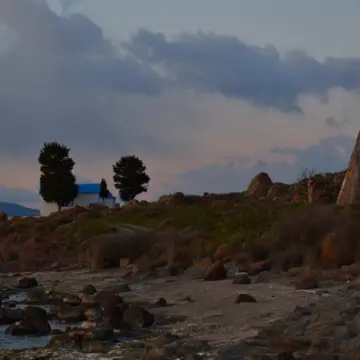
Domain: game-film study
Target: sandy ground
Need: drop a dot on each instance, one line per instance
(212, 315)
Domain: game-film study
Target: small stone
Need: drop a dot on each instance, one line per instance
(70, 314)
(138, 317)
(306, 282)
(89, 290)
(71, 300)
(161, 302)
(93, 314)
(242, 279)
(94, 347)
(245, 298)
(27, 283)
(123, 288)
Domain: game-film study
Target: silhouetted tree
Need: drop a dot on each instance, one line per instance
(57, 181)
(130, 177)
(104, 192)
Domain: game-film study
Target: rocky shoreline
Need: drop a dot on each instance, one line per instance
(109, 316)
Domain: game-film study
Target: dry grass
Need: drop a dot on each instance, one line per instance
(324, 235)
(194, 227)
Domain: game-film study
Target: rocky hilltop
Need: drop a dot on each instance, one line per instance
(179, 229)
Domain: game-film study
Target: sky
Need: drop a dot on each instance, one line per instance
(206, 93)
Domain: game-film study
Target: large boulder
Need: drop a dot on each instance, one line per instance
(217, 271)
(138, 317)
(278, 190)
(9, 316)
(37, 318)
(259, 185)
(35, 322)
(350, 188)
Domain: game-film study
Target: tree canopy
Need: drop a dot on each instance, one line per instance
(130, 177)
(104, 192)
(57, 181)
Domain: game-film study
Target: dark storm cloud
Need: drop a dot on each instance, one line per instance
(62, 80)
(224, 64)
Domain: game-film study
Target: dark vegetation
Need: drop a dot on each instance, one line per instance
(270, 221)
(104, 192)
(57, 181)
(130, 177)
(185, 229)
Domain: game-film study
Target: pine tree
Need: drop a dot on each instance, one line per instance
(130, 177)
(104, 192)
(57, 181)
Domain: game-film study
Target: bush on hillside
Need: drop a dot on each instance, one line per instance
(106, 250)
(323, 235)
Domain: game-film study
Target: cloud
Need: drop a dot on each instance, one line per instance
(61, 79)
(182, 104)
(335, 123)
(216, 63)
(328, 155)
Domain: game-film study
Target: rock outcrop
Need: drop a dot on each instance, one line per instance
(350, 188)
(260, 185)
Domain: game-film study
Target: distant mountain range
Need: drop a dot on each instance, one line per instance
(12, 209)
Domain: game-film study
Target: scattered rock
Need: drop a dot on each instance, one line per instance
(106, 298)
(306, 282)
(161, 302)
(245, 298)
(216, 272)
(89, 290)
(258, 267)
(94, 314)
(71, 300)
(89, 301)
(9, 315)
(94, 347)
(34, 323)
(37, 318)
(27, 283)
(38, 296)
(100, 333)
(329, 327)
(113, 315)
(70, 314)
(123, 288)
(242, 279)
(137, 317)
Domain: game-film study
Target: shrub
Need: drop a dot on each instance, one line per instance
(325, 235)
